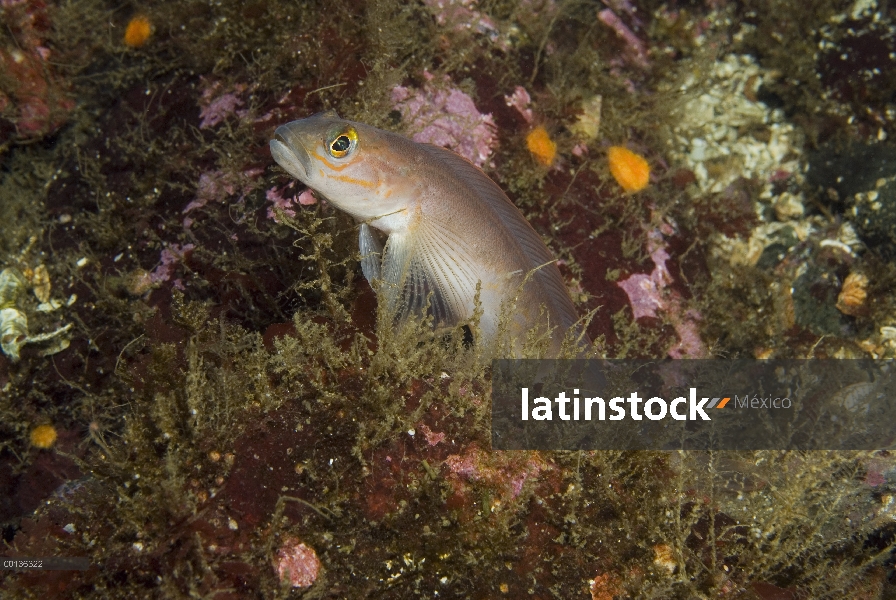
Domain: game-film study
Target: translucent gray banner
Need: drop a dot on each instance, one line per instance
(693, 405)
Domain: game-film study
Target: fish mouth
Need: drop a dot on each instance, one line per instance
(289, 152)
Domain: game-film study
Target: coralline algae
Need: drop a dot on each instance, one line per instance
(444, 115)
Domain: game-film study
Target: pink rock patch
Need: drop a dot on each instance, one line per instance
(297, 564)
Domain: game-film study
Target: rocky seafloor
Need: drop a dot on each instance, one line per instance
(194, 393)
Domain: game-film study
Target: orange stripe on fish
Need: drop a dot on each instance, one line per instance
(327, 162)
(347, 179)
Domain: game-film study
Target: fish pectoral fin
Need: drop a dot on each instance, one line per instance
(428, 271)
(371, 253)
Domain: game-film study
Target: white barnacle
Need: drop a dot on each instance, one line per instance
(14, 322)
(13, 331)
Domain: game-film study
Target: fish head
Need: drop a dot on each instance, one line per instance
(346, 162)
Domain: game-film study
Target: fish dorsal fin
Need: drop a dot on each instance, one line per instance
(427, 270)
(494, 198)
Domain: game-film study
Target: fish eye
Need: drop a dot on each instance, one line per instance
(341, 144)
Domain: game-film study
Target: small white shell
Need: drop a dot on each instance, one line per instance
(12, 284)
(14, 321)
(13, 331)
(40, 283)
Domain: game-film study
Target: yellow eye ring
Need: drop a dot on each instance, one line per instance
(342, 143)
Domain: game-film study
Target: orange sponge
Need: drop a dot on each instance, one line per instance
(630, 170)
(137, 32)
(43, 436)
(541, 146)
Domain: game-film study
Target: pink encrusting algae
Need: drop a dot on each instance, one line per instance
(216, 106)
(505, 474)
(217, 186)
(648, 294)
(445, 116)
(520, 100)
(170, 257)
(297, 564)
(284, 200)
(433, 438)
(637, 47)
(645, 291)
(32, 96)
(461, 15)
(307, 198)
(284, 203)
(213, 185)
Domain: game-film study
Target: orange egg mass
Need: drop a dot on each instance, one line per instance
(43, 436)
(541, 146)
(137, 32)
(630, 170)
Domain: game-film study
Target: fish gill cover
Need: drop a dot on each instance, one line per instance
(194, 391)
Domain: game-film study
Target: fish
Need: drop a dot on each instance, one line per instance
(451, 234)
